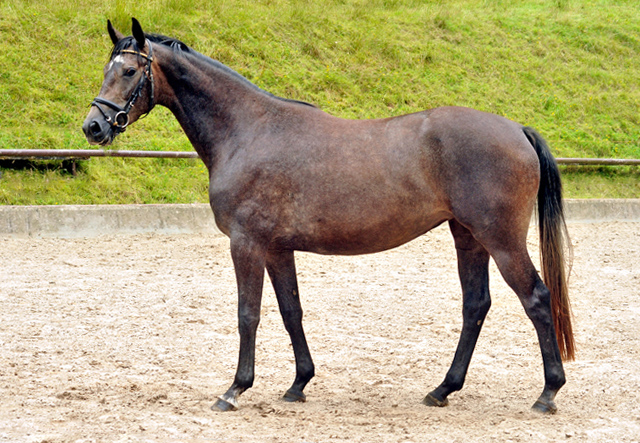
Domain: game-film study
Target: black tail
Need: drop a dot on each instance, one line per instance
(554, 239)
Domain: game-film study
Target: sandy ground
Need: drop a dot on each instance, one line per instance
(130, 339)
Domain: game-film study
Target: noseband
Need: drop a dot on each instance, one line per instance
(120, 121)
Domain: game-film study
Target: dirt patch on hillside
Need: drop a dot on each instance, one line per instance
(132, 338)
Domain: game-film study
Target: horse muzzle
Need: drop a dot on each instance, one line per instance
(98, 131)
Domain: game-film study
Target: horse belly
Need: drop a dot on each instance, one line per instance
(367, 226)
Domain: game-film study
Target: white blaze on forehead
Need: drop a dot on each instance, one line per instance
(117, 59)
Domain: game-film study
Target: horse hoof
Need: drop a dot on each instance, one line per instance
(292, 396)
(430, 400)
(544, 407)
(222, 405)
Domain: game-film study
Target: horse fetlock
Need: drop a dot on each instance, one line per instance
(554, 381)
(304, 374)
(454, 381)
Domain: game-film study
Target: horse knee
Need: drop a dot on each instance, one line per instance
(292, 318)
(476, 308)
(248, 321)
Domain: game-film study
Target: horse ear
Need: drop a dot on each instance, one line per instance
(115, 35)
(138, 33)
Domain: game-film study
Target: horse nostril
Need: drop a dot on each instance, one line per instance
(95, 128)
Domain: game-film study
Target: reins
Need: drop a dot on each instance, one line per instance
(120, 121)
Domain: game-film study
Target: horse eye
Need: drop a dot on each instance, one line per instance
(130, 72)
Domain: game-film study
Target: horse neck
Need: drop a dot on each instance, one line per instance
(210, 101)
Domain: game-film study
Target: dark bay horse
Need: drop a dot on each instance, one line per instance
(285, 177)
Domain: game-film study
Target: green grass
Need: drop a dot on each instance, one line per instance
(568, 68)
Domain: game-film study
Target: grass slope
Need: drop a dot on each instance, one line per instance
(568, 68)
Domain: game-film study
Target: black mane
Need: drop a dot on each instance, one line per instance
(181, 48)
(172, 43)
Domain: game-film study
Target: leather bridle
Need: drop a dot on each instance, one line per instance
(120, 120)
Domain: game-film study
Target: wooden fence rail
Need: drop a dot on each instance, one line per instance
(87, 153)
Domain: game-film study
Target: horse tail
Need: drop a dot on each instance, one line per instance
(554, 238)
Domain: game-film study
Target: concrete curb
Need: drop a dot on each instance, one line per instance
(603, 210)
(95, 220)
(68, 221)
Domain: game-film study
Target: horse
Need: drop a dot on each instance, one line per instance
(285, 176)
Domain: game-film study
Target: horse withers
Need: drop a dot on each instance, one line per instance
(285, 176)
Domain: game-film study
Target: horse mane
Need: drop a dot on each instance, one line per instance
(180, 48)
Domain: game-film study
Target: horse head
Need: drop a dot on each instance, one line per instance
(127, 91)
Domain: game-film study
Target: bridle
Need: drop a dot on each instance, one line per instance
(120, 121)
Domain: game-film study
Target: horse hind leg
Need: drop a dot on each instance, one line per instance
(473, 269)
(514, 263)
(282, 271)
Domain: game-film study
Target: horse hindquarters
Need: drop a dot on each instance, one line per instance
(494, 202)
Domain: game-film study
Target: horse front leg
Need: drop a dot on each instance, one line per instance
(282, 271)
(249, 263)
